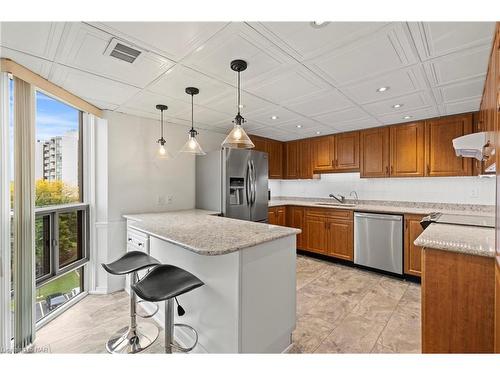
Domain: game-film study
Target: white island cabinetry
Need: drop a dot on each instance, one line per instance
(247, 304)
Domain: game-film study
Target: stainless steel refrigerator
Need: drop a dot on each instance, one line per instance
(233, 182)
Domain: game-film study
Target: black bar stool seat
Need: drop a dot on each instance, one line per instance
(132, 261)
(166, 283)
(135, 337)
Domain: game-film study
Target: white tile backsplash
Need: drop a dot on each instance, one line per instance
(469, 190)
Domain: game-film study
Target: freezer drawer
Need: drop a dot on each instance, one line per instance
(378, 241)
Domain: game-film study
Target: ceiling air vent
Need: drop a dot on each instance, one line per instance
(122, 51)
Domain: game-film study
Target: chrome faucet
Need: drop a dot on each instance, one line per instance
(340, 198)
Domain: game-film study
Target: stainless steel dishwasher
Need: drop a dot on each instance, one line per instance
(378, 241)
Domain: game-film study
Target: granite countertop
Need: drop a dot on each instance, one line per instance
(204, 233)
(459, 238)
(398, 207)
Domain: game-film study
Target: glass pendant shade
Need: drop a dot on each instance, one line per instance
(192, 146)
(163, 151)
(238, 138)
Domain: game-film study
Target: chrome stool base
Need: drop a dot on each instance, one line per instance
(128, 341)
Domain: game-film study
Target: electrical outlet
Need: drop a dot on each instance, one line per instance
(161, 200)
(170, 199)
(474, 193)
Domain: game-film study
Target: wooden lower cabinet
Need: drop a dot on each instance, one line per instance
(412, 253)
(277, 215)
(295, 219)
(458, 296)
(329, 232)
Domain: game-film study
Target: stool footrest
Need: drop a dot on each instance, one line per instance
(176, 346)
(148, 315)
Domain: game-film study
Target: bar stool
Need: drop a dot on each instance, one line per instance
(135, 337)
(166, 283)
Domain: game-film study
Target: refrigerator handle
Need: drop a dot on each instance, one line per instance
(247, 184)
(254, 182)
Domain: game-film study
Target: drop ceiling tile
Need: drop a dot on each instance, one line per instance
(458, 66)
(91, 86)
(407, 102)
(292, 83)
(174, 82)
(264, 115)
(205, 116)
(315, 104)
(358, 124)
(38, 65)
(237, 41)
(400, 82)
(462, 106)
(146, 101)
(383, 51)
(305, 125)
(83, 47)
(305, 41)
(102, 104)
(36, 38)
(273, 133)
(227, 103)
(459, 91)
(331, 119)
(440, 38)
(173, 40)
(418, 114)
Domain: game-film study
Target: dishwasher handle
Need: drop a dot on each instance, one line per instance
(378, 216)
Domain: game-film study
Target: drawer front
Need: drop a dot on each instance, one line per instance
(137, 241)
(330, 212)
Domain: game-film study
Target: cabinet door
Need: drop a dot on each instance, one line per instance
(316, 231)
(374, 152)
(412, 253)
(440, 156)
(323, 153)
(260, 143)
(281, 216)
(296, 220)
(271, 216)
(292, 160)
(346, 152)
(340, 239)
(305, 161)
(407, 150)
(275, 150)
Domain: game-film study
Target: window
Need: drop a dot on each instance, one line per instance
(61, 224)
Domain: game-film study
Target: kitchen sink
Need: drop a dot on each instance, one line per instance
(336, 204)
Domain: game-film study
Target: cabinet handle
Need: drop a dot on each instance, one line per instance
(386, 170)
(428, 169)
(392, 169)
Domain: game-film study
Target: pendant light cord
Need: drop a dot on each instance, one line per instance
(161, 116)
(192, 113)
(238, 92)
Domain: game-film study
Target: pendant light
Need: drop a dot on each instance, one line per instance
(192, 146)
(163, 153)
(237, 138)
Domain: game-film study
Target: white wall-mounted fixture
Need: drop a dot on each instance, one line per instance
(475, 145)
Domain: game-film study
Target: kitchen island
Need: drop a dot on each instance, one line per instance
(248, 302)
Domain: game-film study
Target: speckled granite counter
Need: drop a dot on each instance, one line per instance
(459, 238)
(204, 233)
(388, 206)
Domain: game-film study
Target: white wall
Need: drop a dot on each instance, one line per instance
(136, 180)
(470, 190)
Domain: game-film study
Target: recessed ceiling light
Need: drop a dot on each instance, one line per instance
(383, 88)
(397, 105)
(274, 117)
(318, 24)
(299, 126)
(406, 117)
(242, 106)
(318, 132)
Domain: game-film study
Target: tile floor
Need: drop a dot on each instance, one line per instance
(340, 309)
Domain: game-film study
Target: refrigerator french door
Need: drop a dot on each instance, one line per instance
(233, 182)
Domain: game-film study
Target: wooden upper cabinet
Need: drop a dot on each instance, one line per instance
(407, 150)
(305, 160)
(292, 160)
(440, 157)
(323, 153)
(346, 151)
(275, 150)
(374, 153)
(260, 143)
